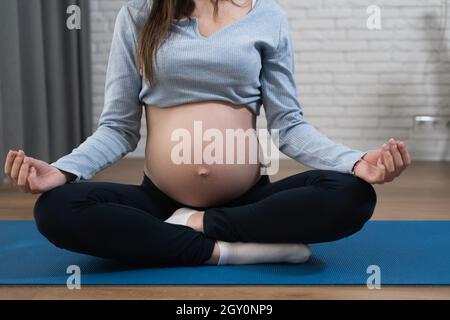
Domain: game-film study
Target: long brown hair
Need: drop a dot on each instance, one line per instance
(158, 26)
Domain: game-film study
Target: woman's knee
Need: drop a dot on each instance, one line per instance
(359, 200)
(49, 211)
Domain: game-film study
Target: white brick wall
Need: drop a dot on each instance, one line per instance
(359, 87)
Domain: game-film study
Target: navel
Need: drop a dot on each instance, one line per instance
(203, 172)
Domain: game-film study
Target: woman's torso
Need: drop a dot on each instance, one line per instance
(205, 153)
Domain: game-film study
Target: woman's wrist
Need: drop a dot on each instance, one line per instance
(356, 164)
(69, 176)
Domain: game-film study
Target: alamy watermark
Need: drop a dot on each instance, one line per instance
(374, 19)
(73, 21)
(74, 279)
(374, 280)
(229, 146)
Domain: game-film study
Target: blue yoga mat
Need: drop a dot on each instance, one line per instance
(407, 252)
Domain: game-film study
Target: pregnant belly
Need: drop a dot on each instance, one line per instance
(202, 154)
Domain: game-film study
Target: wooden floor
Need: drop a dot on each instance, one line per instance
(423, 192)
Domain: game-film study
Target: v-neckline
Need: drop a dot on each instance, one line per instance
(235, 22)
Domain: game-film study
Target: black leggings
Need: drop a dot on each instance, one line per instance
(126, 222)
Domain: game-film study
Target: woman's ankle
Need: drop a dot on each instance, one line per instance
(195, 221)
(215, 256)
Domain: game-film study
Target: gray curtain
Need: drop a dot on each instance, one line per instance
(45, 86)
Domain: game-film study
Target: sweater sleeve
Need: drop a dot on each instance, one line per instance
(296, 137)
(119, 123)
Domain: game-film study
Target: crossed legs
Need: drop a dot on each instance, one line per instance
(126, 222)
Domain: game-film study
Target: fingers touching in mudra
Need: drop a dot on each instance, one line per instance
(384, 164)
(31, 175)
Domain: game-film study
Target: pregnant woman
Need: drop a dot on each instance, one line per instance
(213, 62)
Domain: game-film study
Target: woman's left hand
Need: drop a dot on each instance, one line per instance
(385, 164)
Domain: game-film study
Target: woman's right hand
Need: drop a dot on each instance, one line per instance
(31, 175)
